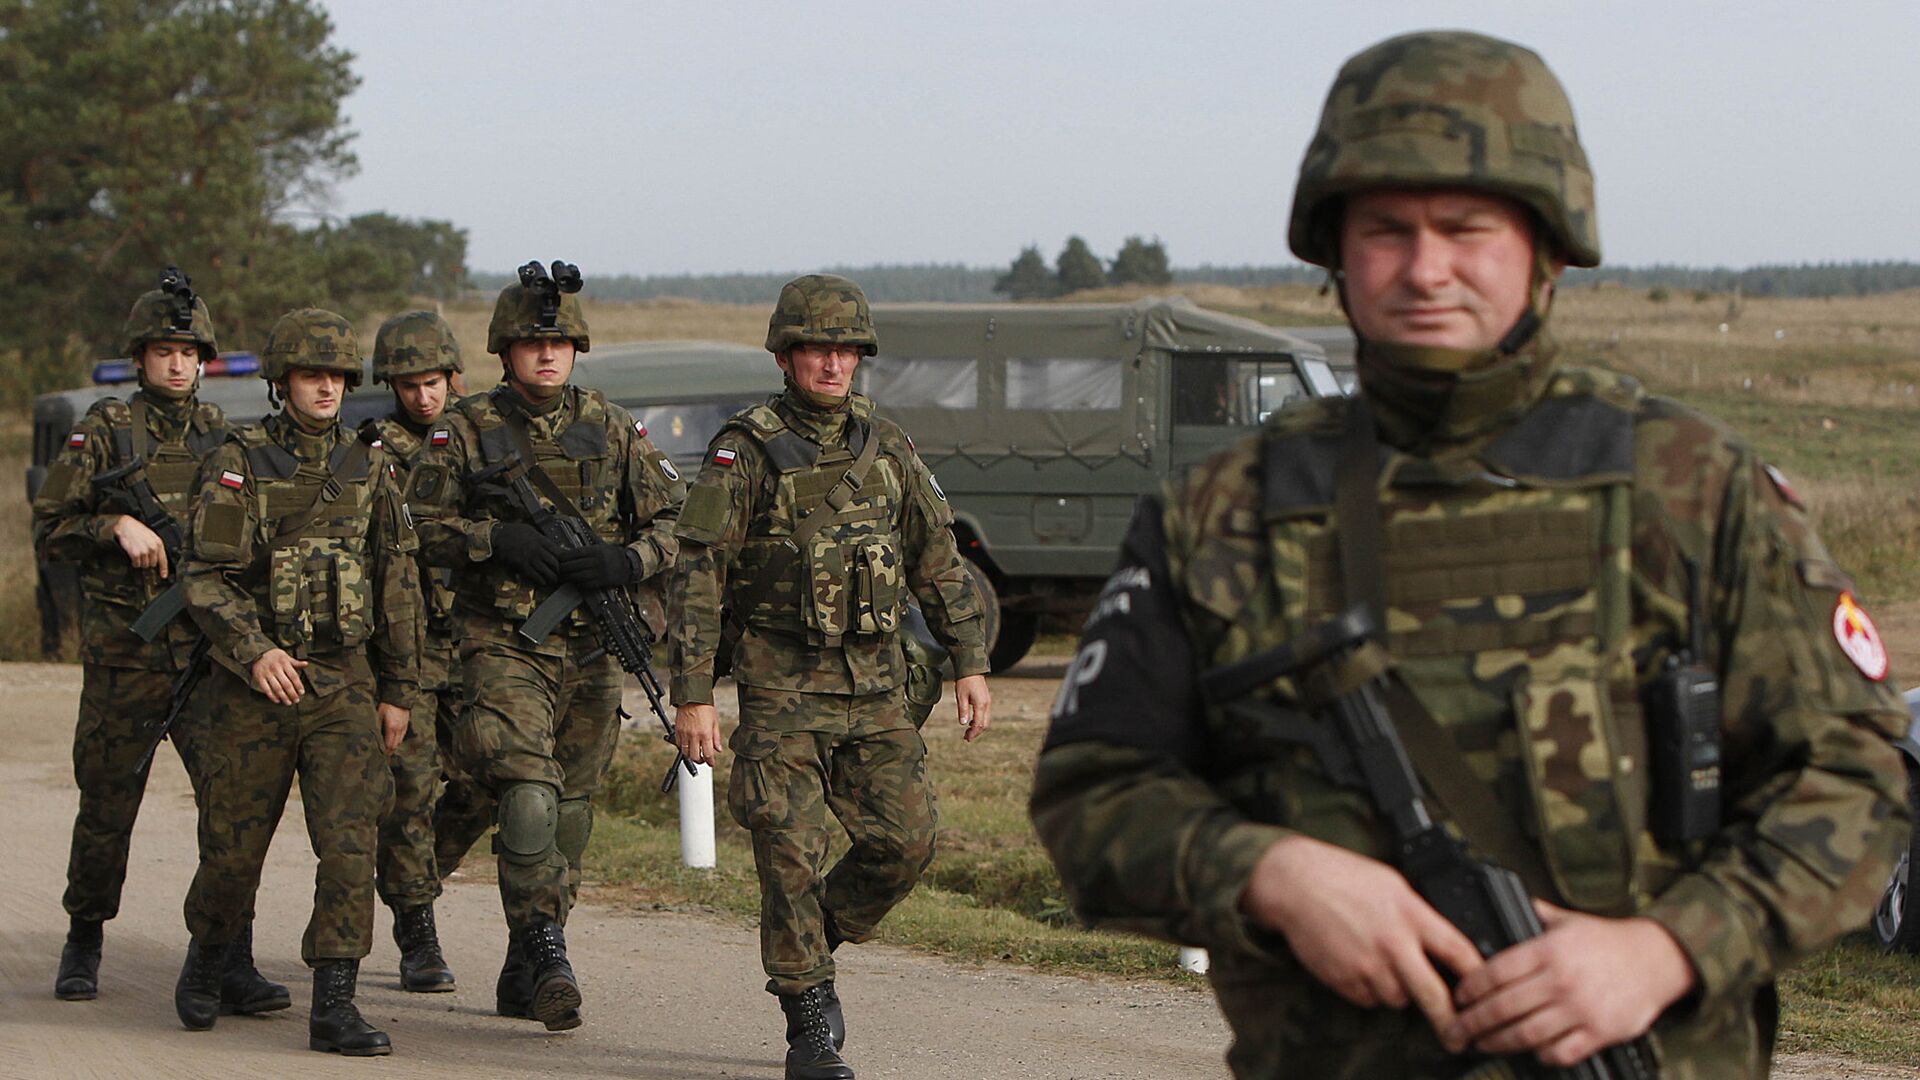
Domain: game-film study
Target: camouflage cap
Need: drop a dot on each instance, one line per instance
(154, 318)
(517, 316)
(1447, 109)
(311, 338)
(821, 309)
(413, 343)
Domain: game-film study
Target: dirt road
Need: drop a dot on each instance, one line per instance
(668, 996)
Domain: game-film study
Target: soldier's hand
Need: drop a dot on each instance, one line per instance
(142, 545)
(1358, 927)
(277, 675)
(393, 725)
(531, 554)
(696, 731)
(1586, 983)
(602, 566)
(975, 705)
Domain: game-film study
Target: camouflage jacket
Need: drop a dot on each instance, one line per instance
(831, 625)
(440, 649)
(342, 592)
(73, 520)
(1535, 582)
(598, 455)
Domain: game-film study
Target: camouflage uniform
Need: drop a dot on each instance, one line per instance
(538, 721)
(341, 592)
(1538, 531)
(824, 721)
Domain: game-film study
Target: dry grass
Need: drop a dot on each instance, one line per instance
(610, 322)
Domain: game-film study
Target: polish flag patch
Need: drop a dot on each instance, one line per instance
(1859, 638)
(640, 427)
(1785, 489)
(231, 479)
(723, 456)
(77, 440)
(438, 438)
(378, 443)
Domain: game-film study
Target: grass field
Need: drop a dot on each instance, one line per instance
(1825, 388)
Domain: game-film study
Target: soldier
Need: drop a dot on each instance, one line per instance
(539, 720)
(123, 458)
(1551, 547)
(415, 352)
(812, 521)
(302, 573)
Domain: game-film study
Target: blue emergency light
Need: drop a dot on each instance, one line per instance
(226, 365)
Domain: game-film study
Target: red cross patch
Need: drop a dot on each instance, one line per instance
(1859, 638)
(724, 457)
(231, 479)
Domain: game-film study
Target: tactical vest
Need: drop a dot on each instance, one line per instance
(171, 468)
(317, 582)
(851, 578)
(1507, 589)
(580, 461)
(406, 449)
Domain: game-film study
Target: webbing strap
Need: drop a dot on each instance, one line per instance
(1468, 801)
(345, 461)
(535, 472)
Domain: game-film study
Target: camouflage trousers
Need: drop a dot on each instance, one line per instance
(465, 809)
(405, 873)
(115, 704)
(539, 717)
(798, 755)
(252, 751)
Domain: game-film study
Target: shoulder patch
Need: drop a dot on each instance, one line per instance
(76, 440)
(439, 437)
(231, 479)
(1858, 638)
(724, 456)
(935, 485)
(667, 466)
(1785, 489)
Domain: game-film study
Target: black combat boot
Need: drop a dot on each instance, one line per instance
(334, 1024)
(423, 969)
(79, 976)
(811, 1054)
(836, 1019)
(513, 991)
(242, 988)
(556, 994)
(196, 997)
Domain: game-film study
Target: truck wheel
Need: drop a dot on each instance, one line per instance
(1018, 629)
(1896, 921)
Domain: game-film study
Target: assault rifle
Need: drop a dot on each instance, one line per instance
(183, 687)
(1487, 902)
(136, 496)
(616, 624)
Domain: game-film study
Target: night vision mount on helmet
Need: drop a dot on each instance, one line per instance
(171, 312)
(544, 303)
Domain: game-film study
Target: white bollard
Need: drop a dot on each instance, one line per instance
(696, 818)
(1194, 960)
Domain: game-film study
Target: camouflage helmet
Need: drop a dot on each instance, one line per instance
(1447, 109)
(821, 309)
(413, 343)
(170, 313)
(311, 338)
(540, 304)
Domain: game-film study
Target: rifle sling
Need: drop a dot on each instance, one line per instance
(536, 472)
(346, 459)
(780, 564)
(1466, 798)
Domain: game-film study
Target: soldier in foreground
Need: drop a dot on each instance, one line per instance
(302, 572)
(127, 460)
(539, 718)
(813, 521)
(1570, 569)
(415, 352)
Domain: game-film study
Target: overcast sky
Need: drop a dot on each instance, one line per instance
(661, 138)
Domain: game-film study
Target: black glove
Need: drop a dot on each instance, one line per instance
(602, 566)
(531, 554)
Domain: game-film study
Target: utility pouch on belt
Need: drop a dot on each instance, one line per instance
(1683, 721)
(926, 665)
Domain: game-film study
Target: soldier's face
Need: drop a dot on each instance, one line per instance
(826, 370)
(172, 364)
(422, 396)
(1436, 266)
(315, 396)
(540, 366)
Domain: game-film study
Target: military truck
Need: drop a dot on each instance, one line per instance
(1043, 422)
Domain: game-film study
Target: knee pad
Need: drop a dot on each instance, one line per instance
(576, 825)
(528, 818)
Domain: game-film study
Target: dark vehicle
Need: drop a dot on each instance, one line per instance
(1896, 922)
(1043, 422)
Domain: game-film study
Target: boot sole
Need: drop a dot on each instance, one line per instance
(327, 1047)
(252, 1008)
(556, 1003)
(447, 987)
(77, 995)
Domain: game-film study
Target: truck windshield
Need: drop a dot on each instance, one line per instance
(1227, 391)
